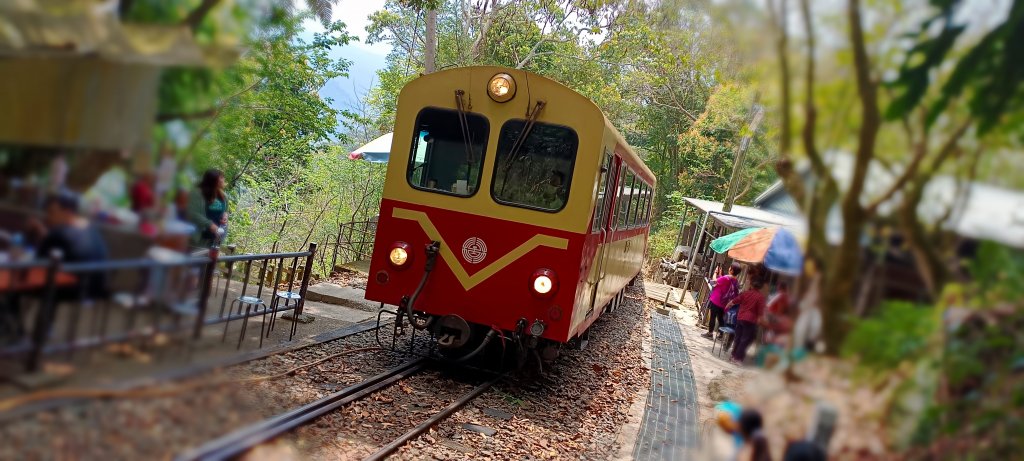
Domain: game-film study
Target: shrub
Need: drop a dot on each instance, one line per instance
(900, 332)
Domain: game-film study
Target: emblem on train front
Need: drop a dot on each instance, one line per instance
(474, 250)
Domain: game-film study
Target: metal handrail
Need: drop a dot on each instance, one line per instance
(261, 257)
(120, 264)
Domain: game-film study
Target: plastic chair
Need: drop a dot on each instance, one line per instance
(251, 303)
(275, 305)
(728, 329)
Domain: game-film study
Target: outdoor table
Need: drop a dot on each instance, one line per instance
(31, 279)
(14, 282)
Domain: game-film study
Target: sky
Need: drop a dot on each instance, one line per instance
(366, 59)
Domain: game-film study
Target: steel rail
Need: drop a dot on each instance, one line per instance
(392, 447)
(236, 443)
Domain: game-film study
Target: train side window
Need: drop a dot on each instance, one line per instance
(539, 174)
(602, 199)
(647, 206)
(637, 202)
(642, 217)
(634, 216)
(630, 199)
(440, 160)
(624, 192)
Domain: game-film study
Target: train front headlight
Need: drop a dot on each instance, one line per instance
(399, 255)
(501, 87)
(544, 283)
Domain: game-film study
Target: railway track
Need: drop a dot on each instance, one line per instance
(236, 443)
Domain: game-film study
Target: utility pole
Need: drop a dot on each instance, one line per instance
(741, 153)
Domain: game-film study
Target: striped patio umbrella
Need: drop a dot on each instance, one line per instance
(776, 247)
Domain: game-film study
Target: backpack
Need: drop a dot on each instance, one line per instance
(730, 316)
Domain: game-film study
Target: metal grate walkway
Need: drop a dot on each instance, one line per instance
(669, 427)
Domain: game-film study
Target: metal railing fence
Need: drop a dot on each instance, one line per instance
(53, 307)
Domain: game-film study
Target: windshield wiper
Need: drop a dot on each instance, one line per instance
(531, 119)
(464, 124)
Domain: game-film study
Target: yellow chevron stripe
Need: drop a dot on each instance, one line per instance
(470, 281)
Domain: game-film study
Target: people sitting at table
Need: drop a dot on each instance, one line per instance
(78, 241)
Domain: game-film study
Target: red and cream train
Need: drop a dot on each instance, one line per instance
(512, 208)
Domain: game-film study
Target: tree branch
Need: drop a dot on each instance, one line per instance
(196, 16)
(785, 166)
(915, 163)
(871, 117)
(168, 116)
(810, 109)
(685, 112)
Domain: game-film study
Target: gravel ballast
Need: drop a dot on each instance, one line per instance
(574, 411)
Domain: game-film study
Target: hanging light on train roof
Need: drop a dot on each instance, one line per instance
(501, 88)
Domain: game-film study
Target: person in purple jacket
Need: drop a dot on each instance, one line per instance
(725, 288)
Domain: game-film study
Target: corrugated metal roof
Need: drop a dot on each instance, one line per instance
(742, 217)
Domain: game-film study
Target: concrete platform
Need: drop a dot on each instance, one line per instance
(330, 293)
(658, 292)
(336, 312)
(362, 266)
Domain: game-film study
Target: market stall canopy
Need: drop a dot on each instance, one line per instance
(376, 151)
(76, 77)
(776, 247)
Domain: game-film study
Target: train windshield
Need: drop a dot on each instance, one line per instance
(444, 157)
(538, 173)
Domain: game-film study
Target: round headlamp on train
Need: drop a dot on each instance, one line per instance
(544, 283)
(501, 87)
(399, 256)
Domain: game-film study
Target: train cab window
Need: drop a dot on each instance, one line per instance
(442, 159)
(538, 174)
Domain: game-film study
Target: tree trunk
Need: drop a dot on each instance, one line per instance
(486, 19)
(839, 282)
(926, 254)
(430, 47)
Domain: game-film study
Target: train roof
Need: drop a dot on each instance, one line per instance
(533, 78)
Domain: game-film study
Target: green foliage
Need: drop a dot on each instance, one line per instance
(661, 243)
(658, 70)
(900, 332)
(971, 385)
(275, 122)
(998, 274)
(990, 73)
(306, 205)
